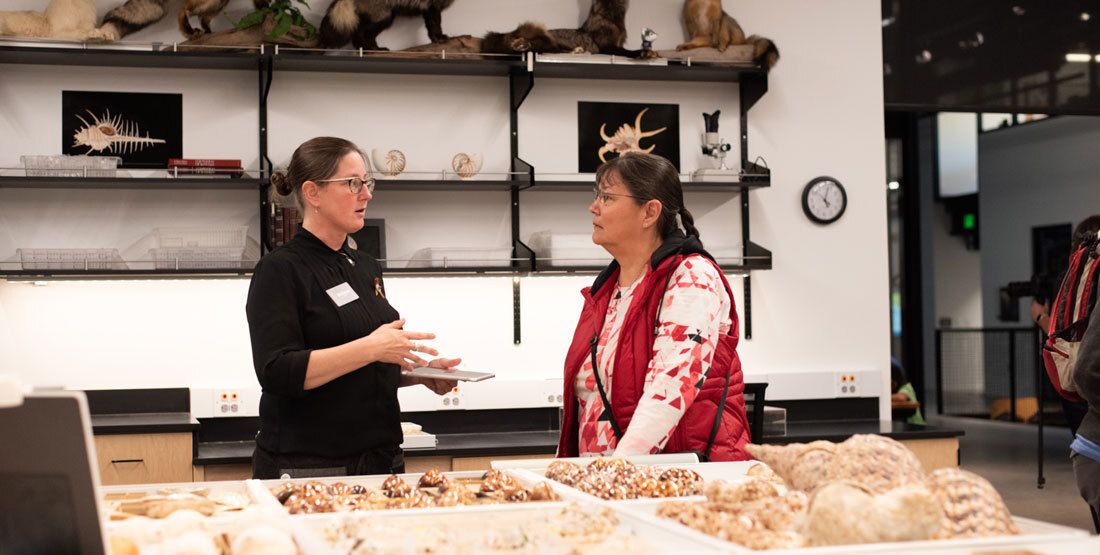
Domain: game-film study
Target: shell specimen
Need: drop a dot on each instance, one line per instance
(627, 138)
(466, 165)
(113, 135)
(875, 462)
(390, 163)
(840, 513)
(971, 506)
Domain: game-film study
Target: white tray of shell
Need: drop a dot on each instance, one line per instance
(571, 528)
(253, 529)
(369, 493)
(539, 465)
(160, 500)
(1032, 532)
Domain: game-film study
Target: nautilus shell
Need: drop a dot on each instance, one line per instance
(390, 163)
(466, 165)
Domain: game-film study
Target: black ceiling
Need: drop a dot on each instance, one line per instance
(991, 55)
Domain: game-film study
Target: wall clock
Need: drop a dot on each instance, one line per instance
(824, 200)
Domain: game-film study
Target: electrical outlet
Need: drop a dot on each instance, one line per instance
(848, 386)
(227, 402)
(553, 398)
(454, 399)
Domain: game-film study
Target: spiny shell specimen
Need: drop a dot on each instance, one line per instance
(390, 163)
(971, 506)
(112, 135)
(841, 513)
(466, 165)
(875, 462)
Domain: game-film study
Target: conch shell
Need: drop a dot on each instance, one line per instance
(466, 165)
(390, 163)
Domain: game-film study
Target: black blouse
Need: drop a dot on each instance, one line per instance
(289, 315)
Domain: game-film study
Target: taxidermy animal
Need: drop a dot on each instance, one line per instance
(603, 32)
(361, 21)
(135, 15)
(205, 10)
(708, 25)
(62, 19)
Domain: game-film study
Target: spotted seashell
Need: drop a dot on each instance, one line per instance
(390, 163)
(467, 165)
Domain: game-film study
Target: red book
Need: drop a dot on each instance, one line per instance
(204, 170)
(203, 163)
(290, 222)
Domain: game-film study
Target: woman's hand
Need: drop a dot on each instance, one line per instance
(390, 343)
(440, 387)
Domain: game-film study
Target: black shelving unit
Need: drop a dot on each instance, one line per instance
(521, 73)
(146, 183)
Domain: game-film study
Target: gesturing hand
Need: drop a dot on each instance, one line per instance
(440, 387)
(392, 344)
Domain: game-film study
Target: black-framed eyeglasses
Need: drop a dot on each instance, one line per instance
(604, 197)
(355, 184)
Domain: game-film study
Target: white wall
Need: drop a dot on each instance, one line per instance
(1039, 174)
(957, 142)
(958, 275)
(822, 310)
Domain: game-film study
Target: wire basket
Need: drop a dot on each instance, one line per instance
(62, 165)
(70, 259)
(191, 248)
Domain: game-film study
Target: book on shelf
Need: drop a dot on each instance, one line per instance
(290, 223)
(196, 171)
(203, 163)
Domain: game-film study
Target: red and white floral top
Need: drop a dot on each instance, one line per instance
(695, 312)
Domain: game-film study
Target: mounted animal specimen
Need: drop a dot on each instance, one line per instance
(708, 25)
(62, 19)
(603, 32)
(627, 138)
(113, 135)
(361, 21)
(135, 15)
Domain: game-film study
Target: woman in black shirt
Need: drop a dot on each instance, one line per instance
(327, 346)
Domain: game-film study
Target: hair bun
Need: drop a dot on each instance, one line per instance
(281, 184)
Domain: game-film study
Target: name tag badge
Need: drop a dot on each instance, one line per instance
(342, 294)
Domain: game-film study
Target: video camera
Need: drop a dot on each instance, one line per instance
(1041, 287)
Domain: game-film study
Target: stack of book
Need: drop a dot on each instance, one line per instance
(204, 167)
(282, 224)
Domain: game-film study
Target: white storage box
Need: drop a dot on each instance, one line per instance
(180, 248)
(450, 257)
(62, 165)
(568, 249)
(71, 259)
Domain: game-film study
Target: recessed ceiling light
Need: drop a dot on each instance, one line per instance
(1085, 16)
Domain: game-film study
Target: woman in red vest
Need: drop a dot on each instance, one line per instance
(653, 364)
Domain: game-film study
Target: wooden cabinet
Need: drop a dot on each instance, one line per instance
(144, 458)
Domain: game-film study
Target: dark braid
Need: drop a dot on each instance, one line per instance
(689, 222)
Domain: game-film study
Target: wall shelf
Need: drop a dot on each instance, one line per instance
(137, 183)
(154, 57)
(751, 81)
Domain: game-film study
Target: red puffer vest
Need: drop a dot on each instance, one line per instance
(635, 350)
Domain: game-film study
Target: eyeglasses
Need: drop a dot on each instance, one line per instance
(605, 197)
(355, 184)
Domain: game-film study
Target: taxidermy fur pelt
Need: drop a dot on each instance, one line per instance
(135, 15)
(62, 19)
(603, 32)
(708, 25)
(361, 21)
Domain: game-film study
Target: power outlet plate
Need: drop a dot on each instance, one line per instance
(228, 402)
(552, 398)
(847, 385)
(453, 400)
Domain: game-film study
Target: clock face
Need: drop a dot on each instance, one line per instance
(824, 200)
